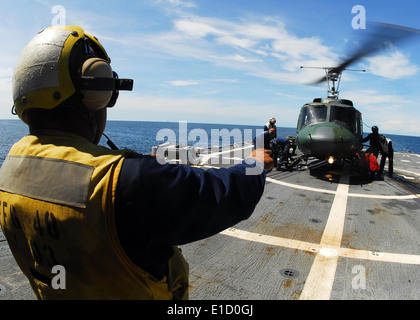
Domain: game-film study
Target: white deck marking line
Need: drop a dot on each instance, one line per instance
(296, 186)
(405, 154)
(383, 197)
(320, 281)
(380, 256)
(406, 171)
(271, 240)
(316, 247)
(357, 195)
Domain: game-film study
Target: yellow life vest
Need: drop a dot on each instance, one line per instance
(57, 212)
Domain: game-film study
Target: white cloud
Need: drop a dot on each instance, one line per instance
(175, 3)
(6, 98)
(183, 83)
(154, 108)
(393, 66)
(368, 97)
(6, 72)
(182, 3)
(237, 42)
(297, 48)
(195, 28)
(264, 48)
(389, 112)
(226, 80)
(237, 57)
(400, 124)
(231, 48)
(6, 85)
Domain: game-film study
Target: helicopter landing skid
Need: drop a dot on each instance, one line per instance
(317, 164)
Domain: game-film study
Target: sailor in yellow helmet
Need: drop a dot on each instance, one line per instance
(112, 219)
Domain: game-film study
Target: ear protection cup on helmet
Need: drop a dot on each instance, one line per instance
(49, 72)
(96, 68)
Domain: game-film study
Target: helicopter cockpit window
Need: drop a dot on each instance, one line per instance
(313, 114)
(344, 116)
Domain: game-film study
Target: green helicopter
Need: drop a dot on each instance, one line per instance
(331, 128)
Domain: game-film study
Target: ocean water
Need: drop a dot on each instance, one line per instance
(141, 136)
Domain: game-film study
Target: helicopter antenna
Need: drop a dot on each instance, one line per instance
(333, 76)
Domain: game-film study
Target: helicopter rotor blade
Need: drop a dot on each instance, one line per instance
(380, 36)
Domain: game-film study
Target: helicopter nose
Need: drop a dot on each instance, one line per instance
(325, 141)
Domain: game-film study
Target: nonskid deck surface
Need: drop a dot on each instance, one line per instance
(319, 234)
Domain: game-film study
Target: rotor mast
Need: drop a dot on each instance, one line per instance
(333, 76)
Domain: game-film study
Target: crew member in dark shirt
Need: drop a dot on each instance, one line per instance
(112, 218)
(374, 141)
(387, 151)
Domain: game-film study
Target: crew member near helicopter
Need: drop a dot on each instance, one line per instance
(368, 165)
(373, 137)
(111, 218)
(265, 137)
(271, 124)
(280, 149)
(387, 151)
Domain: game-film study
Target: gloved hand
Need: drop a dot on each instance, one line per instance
(264, 157)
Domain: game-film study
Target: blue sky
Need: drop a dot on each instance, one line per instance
(232, 61)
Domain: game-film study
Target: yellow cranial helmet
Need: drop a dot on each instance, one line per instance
(60, 61)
